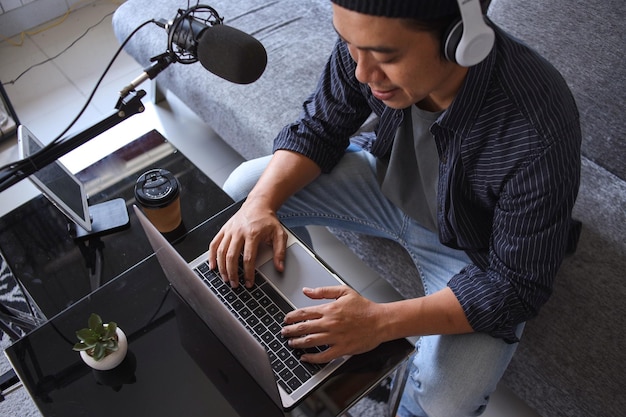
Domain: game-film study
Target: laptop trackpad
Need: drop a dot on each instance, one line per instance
(301, 270)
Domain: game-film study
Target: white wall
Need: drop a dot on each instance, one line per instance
(20, 15)
(8, 5)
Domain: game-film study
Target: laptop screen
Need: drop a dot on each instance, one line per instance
(56, 182)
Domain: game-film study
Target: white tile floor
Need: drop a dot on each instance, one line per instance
(48, 97)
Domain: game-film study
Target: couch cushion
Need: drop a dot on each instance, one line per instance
(585, 41)
(571, 361)
(298, 37)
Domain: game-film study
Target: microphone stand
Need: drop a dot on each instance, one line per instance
(125, 108)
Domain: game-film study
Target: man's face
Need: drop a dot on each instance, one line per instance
(401, 65)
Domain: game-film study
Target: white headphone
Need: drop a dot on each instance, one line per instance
(469, 40)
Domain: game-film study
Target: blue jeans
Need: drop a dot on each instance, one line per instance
(450, 375)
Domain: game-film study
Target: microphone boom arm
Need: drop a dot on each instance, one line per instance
(125, 109)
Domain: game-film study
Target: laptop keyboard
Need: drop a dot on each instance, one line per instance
(262, 311)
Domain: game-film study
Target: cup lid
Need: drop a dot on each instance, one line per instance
(156, 188)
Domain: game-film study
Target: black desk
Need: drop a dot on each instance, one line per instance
(38, 248)
(166, 378)
(165, 372)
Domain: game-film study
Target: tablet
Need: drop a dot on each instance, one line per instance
(56, 182)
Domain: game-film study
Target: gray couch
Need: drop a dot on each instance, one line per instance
(571, 361)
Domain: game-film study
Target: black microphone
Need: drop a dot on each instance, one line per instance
(223, 50)
(231, 54)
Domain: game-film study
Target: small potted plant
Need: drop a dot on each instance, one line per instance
(102, 346)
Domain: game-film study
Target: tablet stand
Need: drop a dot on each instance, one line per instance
(108, 217)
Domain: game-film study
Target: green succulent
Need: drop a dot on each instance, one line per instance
(98, 339)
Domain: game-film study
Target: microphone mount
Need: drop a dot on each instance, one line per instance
(183, 33)
(161, 62)
(185, 29)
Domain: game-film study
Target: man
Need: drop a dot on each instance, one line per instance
(473, 170)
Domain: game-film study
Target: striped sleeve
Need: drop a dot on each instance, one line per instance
(330, 115)
(531, 226)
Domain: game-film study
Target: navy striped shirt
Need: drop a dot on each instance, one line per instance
(509, 149)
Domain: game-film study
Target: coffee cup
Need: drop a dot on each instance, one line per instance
(158, 193)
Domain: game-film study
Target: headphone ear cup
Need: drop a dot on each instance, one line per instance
(451, 40)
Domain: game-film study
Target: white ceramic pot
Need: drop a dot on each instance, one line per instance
(111, 360)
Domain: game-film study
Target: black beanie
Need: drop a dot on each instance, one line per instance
(417, 9)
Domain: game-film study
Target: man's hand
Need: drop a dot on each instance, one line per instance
(241, 236)
(349, 325)
(256, 223)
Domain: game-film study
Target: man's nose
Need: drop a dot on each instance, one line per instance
(367, 71)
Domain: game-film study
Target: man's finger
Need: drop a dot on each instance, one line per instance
(213, 249)
(220, 255)
(325, 293)
(325, 356)
(302, 315)
(249, 257)
(279, 246)
(232, 265)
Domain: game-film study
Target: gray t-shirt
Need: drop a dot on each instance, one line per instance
(409, 177)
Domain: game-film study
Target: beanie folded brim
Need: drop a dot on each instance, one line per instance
(416, 9)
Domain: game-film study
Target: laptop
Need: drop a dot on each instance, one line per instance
(248, 321)
(67, 193)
